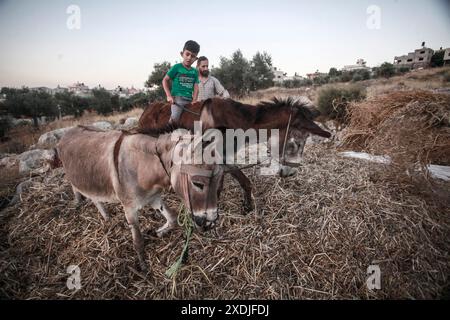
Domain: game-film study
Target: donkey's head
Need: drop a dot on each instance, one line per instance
(300, 125)
(197, 182)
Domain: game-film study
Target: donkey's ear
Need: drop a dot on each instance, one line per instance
(206, 115)
(313, 128)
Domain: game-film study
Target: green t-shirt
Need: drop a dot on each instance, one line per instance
(183, 80)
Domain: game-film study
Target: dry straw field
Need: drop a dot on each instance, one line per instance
(312, 236)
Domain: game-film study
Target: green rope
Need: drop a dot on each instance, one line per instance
(184, 220)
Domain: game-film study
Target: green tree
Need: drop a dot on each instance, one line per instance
(321, 80)
(437, 60)
(362, 74)
(158, 73)
(334, 72)
(155, 79)
(30, 103)
(115, 102)
(71, 104)
(234, 73)
(386, 70)
(137, 100)
(401, 70)
(102, 101)
(260, 72)
(345, 76)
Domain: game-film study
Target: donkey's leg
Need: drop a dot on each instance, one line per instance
(138, 240)
(78, 197)
(102, 210)
(168, 213)
(246, 185)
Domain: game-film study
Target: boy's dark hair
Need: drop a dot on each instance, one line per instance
(192, 46)
(200, 59)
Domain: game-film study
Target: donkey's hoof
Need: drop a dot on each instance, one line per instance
(161, 232)
(77, 204)
(143, 266)
(248, 207)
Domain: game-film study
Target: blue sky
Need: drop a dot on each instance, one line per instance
(119, 41)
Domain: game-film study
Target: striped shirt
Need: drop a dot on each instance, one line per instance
(210, 88)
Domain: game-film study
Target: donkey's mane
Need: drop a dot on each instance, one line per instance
(243, 109)
(275, 104)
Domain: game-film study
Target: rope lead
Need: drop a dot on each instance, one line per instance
(184, 220)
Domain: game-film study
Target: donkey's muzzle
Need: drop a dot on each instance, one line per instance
(200, 221)
(203, 224)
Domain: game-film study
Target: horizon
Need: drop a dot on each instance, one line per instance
(50, 43)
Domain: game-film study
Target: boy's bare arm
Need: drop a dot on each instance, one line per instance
(195, 94)
(166, 86)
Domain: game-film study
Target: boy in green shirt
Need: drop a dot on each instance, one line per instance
(184, 81)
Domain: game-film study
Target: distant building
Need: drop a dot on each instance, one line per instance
(292, 78)
(80, 89)
(59, 89)
(447, 57)
(420, 58)
(43, 89)
(279, 76)
(317, 74)
(360, 65)
(125, 92)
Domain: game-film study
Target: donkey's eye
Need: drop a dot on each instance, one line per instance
(198, 185)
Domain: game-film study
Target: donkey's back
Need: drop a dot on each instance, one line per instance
(87, 156)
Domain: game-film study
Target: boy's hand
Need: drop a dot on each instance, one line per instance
(170, 99)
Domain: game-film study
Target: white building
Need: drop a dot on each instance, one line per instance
(44, 89)
(125, 92)
(80, 89)
(59, 89)
(317, 74)
(447, 56)
(279, 76)
(360, 65)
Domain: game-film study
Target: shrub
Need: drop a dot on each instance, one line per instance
(386, 70)
(5, 125)
(402, 70)
(447, 76)
(357, 77)
(333, 101)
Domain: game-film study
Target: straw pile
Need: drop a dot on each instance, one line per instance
(412, 127)
(314, 236)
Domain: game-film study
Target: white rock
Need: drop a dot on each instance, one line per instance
(436, 171)
(103, 125)
(37, 159)
(8, 161)
(130, 122)
(366, 156)
(439, 172)
(21, 122)
(19, 190)
(51, 138)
